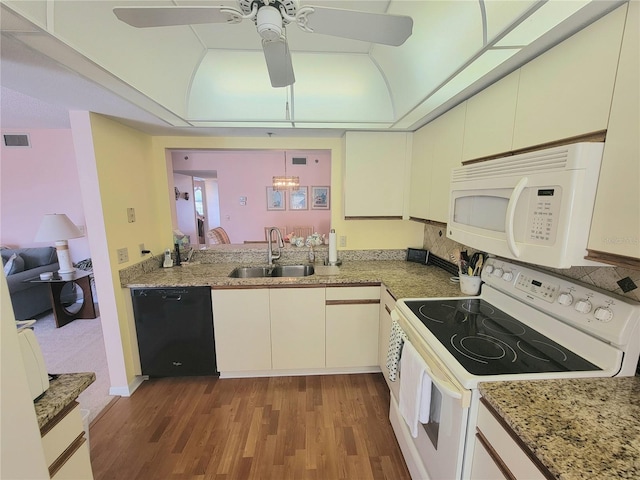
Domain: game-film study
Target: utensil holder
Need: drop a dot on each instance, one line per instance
(470, 285)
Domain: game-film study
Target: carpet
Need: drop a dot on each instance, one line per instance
(77, 347)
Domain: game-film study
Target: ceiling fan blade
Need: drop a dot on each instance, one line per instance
(369, 27)
(278, 57)
(143, 17)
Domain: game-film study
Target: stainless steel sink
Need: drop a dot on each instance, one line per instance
(277, 271)
(251, 272)
(292, 271)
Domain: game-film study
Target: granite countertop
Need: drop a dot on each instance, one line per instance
(62, 391)
(403, 279)
(578, 428)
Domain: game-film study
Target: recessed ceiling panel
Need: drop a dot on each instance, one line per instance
(339, 88)
(234, 86)
(445, 36)
(157, 61)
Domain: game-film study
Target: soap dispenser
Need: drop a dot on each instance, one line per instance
(168, 262)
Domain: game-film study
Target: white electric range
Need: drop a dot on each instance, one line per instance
(525, 325)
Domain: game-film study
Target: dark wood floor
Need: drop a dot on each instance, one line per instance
(316, 427)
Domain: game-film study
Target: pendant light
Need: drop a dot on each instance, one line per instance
(285, 182)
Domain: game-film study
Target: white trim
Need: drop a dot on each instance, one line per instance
(293, 373)
(129, 389)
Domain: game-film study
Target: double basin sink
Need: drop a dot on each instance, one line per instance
(274, 271)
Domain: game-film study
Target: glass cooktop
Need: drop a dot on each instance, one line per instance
(487, 341)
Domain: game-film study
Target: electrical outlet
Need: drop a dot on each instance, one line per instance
(131, 215)
(123, 255)
(343, 240)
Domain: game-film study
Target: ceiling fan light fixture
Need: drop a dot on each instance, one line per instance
(269, 23)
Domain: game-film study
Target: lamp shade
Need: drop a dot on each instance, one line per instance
(56, 226)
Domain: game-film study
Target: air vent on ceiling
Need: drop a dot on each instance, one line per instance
(16, 140)
(299, 161)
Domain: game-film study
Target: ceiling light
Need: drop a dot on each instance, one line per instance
(285, 182)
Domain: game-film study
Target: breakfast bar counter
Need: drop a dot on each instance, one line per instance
(62, 391)
(577, 428)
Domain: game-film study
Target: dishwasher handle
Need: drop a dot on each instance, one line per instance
(173, 298)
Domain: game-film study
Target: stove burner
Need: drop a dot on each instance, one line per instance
(482, 348)
(423, 312)
(542, 351)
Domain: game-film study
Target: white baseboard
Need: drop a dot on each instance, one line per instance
(129, 389)
(298, 372)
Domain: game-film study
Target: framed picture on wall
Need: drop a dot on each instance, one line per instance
(320, 198)
(275, 199)
(298, 199)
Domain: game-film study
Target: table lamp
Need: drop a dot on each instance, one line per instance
(57, 227)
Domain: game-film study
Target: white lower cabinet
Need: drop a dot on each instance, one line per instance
(311, 328)
(497, 455)
(352, 322)
(297, 327)
(242, 329)
(66, 450)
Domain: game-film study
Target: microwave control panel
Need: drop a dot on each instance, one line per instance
(544, 213)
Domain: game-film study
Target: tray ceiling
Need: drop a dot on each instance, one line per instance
(76, 54)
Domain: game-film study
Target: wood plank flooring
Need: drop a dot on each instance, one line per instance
(327, 427)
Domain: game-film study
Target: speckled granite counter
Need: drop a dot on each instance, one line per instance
(62, 391)
(578, 428)
(404, 279)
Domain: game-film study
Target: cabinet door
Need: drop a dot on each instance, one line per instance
(242, 329)
(567, 90)
(353, 321)
(387, 304)
(375, 174)
(616, 218)
(488, 127)
(421, 166)
(297, 327)
(448, 132)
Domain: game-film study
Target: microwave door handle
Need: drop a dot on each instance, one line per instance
(511, 212)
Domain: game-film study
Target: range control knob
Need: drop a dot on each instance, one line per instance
(603, 314)
(565, 299)
(583, 306)
(498, 272)
(507, 276)
(488, 268)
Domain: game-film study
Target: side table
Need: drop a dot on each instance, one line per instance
(71, 296)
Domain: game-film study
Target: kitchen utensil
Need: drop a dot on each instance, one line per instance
(478, 267)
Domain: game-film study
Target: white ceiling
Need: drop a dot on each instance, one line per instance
(61, 55)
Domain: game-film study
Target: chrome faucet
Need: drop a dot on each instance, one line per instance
(270, 255)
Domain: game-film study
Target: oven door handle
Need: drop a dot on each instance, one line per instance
(443, 385)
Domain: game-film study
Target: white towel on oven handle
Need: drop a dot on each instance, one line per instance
(415, 396)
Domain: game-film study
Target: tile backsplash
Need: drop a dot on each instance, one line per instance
(606, 278)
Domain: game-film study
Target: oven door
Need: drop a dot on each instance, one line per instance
(438, 450)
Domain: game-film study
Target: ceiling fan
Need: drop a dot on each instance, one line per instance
(271, 18)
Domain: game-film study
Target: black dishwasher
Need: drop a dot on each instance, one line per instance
(175, 331)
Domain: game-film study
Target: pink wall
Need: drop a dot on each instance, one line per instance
(248, 173)
(39, 180)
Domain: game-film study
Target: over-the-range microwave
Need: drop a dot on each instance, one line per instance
(534, 207)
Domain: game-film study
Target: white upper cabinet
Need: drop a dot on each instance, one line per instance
(615, 227)
(376, 167)
(490, 119)
(421, 165)
(437, 148)
(448, 131)
(567, 91)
